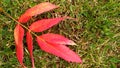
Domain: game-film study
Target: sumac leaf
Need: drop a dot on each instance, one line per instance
(57, 39)
(59, 50)
(38, 9)
(18, 35)
(44, 24)
(29, 40)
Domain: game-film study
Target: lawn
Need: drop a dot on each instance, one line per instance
(96, 33)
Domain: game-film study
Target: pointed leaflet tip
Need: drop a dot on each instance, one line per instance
(57, 39)
(70, 42)
(45, 24)
(29, 40)
(38, 9)
(18, 35)
(59, 50)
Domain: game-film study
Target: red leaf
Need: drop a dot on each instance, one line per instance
(38, 9)
(30, 47)
(44, 24)
(59, 50)
(57, 39)
(18, 35)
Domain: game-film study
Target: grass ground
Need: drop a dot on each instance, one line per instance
(97, 33)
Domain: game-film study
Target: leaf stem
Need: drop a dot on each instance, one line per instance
(19, 23)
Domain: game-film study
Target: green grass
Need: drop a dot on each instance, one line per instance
(97, 33)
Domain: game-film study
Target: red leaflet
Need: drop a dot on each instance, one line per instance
(29, 40)
(38, 9)
(57, 39)
(59, 50)
(18, 35)
(44, 24)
